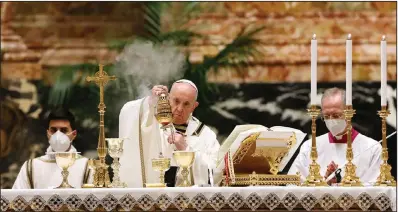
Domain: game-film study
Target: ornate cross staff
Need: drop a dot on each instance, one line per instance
(101, 176)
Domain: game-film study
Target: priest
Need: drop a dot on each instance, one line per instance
(332, 146)
(145, 139)
(43, 172)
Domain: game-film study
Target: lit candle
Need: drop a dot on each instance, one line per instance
(313, 69)
(348, 71)
(383, 58)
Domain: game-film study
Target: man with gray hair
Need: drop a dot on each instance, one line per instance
(138, 123)
(332, 146)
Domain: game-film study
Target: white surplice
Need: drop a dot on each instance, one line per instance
(201, 140)
(367, 157)
(44, 173)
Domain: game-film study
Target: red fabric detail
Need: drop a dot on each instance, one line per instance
(226, 168)
(343, 140)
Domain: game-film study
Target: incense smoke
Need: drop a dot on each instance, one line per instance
(143, 64)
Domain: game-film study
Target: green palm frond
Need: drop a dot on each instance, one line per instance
(179, 37)
(188, 11)
(238, 55)
(242, 50)
(152, 19)
(66, 78)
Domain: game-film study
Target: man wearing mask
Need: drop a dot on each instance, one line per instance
(332, 146)
(43, 172)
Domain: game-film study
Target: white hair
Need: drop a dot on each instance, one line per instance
(334, 92)
(190, 83)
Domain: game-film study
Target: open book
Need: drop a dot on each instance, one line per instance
(241, 132)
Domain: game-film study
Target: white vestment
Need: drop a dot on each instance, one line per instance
(43, 173)
(137, 157)
(367, 157)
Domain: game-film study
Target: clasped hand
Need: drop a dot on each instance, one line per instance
(179, 141)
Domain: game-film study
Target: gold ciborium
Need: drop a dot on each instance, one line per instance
(160, 164)
(65, 160)
(115, 150)
(184, 160)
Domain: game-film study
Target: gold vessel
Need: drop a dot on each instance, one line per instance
(161, 165)
(115, 149)
(184, 160)
(65, 160)
(163, 113)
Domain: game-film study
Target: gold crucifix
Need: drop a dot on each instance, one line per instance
(101, 176)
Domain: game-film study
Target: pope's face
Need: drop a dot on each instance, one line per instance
(182, 102)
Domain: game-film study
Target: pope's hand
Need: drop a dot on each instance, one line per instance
(179, 141)
(156, 91)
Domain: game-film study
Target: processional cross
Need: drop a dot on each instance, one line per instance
(101, 176)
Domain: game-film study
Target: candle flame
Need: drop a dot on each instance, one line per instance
(314, 36)
(349, 37)
(383, 38)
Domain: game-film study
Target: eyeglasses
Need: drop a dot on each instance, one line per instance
(332, 116)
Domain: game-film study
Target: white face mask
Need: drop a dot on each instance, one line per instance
(59, 142)
(335, 126)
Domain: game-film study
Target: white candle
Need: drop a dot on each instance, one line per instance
(383, 59)
(313, 69)
(348, 71)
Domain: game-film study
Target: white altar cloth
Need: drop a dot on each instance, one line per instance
(201, 197)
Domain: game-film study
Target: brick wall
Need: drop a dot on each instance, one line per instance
(59, 33)
(285, 42)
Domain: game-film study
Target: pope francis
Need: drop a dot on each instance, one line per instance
(138, 124)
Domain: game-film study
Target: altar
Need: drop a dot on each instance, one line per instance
(265, 198)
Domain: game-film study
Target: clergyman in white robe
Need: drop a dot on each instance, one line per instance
(43, 173)
(145, 140)
(367, 156)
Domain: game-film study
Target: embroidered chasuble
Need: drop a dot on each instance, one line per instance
(367, 156)
(43, 173)
(145, 140)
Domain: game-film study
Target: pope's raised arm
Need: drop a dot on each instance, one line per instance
(138, 123)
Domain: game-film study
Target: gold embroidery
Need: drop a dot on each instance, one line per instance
(140, 144)
(29, 172)
(86, 173)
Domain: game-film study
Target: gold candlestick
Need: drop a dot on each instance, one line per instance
(101, 177)
(350, 178)
(314, 178)
(385, 178)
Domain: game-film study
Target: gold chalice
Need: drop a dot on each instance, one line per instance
(65, 160)
(115, 150)
(161, 165)
(184, 159)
